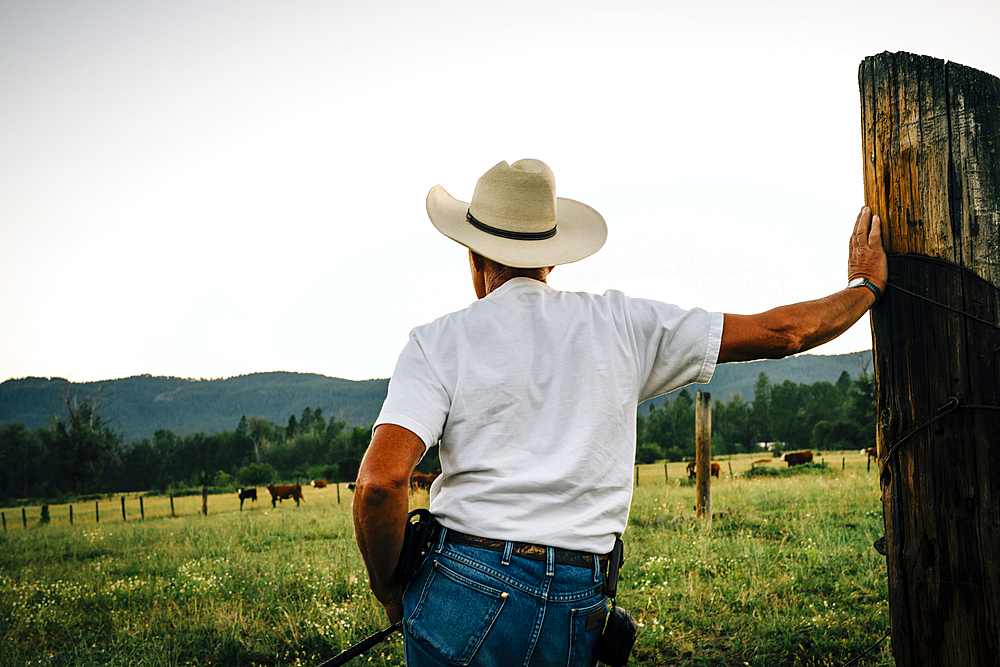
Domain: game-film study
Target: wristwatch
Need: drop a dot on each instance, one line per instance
(864, 282)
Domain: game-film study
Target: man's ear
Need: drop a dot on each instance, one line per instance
(477, 260)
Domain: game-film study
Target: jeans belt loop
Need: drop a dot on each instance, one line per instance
(550, 562)
(508, 551)
(440, 541)
(597, 569)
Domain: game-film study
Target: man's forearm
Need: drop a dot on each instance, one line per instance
(379, 522)
(791, 329)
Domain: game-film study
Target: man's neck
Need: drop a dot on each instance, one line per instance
(495, 282)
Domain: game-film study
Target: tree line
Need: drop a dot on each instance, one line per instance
(782, 417)
(81, 453)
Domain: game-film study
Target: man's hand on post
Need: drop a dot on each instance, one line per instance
(865, 257)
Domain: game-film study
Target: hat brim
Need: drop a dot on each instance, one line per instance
(580, 232)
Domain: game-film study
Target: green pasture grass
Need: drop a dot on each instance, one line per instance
(785, 574)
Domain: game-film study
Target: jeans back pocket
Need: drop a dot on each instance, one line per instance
(454, 613)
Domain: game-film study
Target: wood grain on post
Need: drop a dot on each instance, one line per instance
(703, 453)
(931, 131)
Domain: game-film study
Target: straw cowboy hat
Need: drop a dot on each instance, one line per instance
(516, 219)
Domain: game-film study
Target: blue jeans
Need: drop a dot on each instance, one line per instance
(474, 606)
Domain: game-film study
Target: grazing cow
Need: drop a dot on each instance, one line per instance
(247, 493)
(872, 452)
(714, 470)
(318, 483)
(421, 480)
(758, 462)
(291, 491)
(797, 458)
(351, 486)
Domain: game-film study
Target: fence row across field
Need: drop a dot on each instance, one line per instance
(138, 507)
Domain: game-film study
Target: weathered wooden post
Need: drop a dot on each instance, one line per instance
(24, 517)
(338, 493)
(204, 500)
(4, 517)
(172, 506)
(97, 511)
(142, 511)
(703, 453)
(931, 131)
(123, 508)
(71, 515)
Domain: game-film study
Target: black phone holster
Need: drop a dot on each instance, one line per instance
(615, 645)
(418, 540)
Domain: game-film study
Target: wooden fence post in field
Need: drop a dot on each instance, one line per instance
(703, 453)
(637, 475)
(97, 511)
(123, 508)
(931, 138)
(71, 515)
(666, 475)
(24, 517)
(204, 500)
(142, 512)
(338, 493)
(4, 517)
(172, 506)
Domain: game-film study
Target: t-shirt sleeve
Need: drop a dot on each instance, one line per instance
(417, 400)
(675, 347)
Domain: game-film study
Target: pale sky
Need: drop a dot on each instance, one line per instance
(207, 189)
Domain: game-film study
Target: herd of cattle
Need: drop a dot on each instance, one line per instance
(791, 458)
(280, 492)
(421, 480)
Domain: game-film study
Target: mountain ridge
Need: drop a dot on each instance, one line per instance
(142, 404)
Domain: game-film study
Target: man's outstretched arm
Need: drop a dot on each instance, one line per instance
(381, 502)
(796, 328)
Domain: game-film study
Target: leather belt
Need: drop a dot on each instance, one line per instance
(530, 551)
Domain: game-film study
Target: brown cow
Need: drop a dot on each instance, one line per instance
(291, 491)
(872, 452)
(714, 470)
(421, 480)
(319, 483)
(797, 458)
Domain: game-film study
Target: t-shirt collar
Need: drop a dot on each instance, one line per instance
(519, 282)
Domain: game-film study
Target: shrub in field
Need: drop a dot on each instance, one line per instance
(761, 471)
(648, 452)
(328, 471)
(256, 474)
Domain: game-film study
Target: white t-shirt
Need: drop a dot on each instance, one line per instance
(532, 393)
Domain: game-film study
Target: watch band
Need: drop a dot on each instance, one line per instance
(864, 282)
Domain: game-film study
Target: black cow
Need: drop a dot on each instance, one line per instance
(247, 493)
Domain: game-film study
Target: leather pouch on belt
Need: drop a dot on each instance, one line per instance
(418, 539)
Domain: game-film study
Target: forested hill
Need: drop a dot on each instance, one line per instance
(739, 378)
(142, 404)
